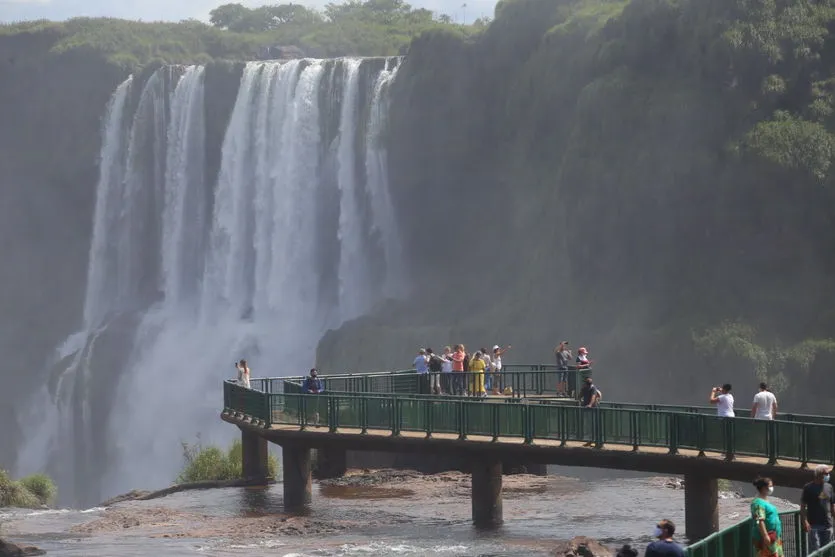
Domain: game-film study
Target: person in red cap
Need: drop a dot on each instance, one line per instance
(583, 358)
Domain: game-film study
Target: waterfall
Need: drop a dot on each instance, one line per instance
(184, 203)
(293, 233)
(384, 226)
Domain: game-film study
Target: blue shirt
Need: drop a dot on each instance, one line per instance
(664, 548)
(421, 365)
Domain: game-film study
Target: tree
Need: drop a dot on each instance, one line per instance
(228, 15)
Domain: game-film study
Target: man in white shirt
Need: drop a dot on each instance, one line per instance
(724, 400)
(765, 404)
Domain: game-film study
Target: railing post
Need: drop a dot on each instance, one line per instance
(730, 438)
(302, 411)
(672, 425)
(333, 419)
(634, 430)
(562, 423)
(364, 415)
(395, 430)
(804, 446)
(598, 427)
(496, 424)
(268, 410)
(462, 426)
(771, 442)
(428, 416)
(528, 420)
(702, 438)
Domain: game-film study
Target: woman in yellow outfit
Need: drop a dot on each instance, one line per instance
(477, 369)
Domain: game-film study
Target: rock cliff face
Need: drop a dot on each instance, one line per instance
(50, 109)
(614, 174)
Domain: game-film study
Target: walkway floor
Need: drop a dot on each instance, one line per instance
(542, 443)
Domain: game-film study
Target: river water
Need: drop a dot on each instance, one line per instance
(376, 515)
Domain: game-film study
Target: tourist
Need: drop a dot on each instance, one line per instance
(488, 368)
(817, 506)
(590, 398)
(243, 374)
(766, 530)
(459, 358)
(583, 358)
(312, 384)
(664, 546)
(421, 365)
(590, 395)
(435, 364)
(477, 369)
(446, 371)
(563, 355)
(497, 367)
(724, 400)
(468, 376)
(765, 404)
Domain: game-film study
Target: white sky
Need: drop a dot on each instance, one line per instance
(175, 10)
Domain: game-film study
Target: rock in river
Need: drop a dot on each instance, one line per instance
(581, 546)
(8, 549)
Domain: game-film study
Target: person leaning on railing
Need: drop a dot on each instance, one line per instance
(766, 530)
(817, 507)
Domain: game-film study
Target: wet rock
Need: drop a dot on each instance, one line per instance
(129, 496)
(581, 546)
(8, 549)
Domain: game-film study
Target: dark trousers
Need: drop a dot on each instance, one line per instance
(423, 383)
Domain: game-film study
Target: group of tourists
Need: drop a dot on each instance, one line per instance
(817, 507)
(764, 406)
(457, 372)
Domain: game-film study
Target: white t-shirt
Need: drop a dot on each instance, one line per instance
(446, 365)
(497, 363)
(725, 406)
(765, 402)
(487, 362)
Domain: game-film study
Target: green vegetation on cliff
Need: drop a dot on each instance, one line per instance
(211, 463)
(369, 28)
(650, 168)
(30, 492)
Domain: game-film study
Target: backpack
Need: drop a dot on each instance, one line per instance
(466, 362)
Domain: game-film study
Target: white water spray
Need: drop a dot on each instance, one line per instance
(197, 271)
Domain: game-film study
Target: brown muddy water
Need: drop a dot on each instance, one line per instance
(378, 513)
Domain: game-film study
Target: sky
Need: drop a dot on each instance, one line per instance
(175, 10)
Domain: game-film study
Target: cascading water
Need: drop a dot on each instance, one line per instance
(190, 271)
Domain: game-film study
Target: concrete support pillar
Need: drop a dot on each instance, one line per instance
(330, 463)
(487, 493)
(701, 506)
(255, 456)
(298, 486)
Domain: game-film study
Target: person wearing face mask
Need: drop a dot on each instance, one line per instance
(766, 530)
(664, 546)
(817, 506)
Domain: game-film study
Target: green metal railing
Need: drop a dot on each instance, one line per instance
(395, 413)
(737, 540)
(826, 551)
(524, 380)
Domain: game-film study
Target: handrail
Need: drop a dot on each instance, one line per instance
(737, 541)
(523, 382)
(675, 431)
(826, 551)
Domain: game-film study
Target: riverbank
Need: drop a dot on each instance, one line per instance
(373, 513)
